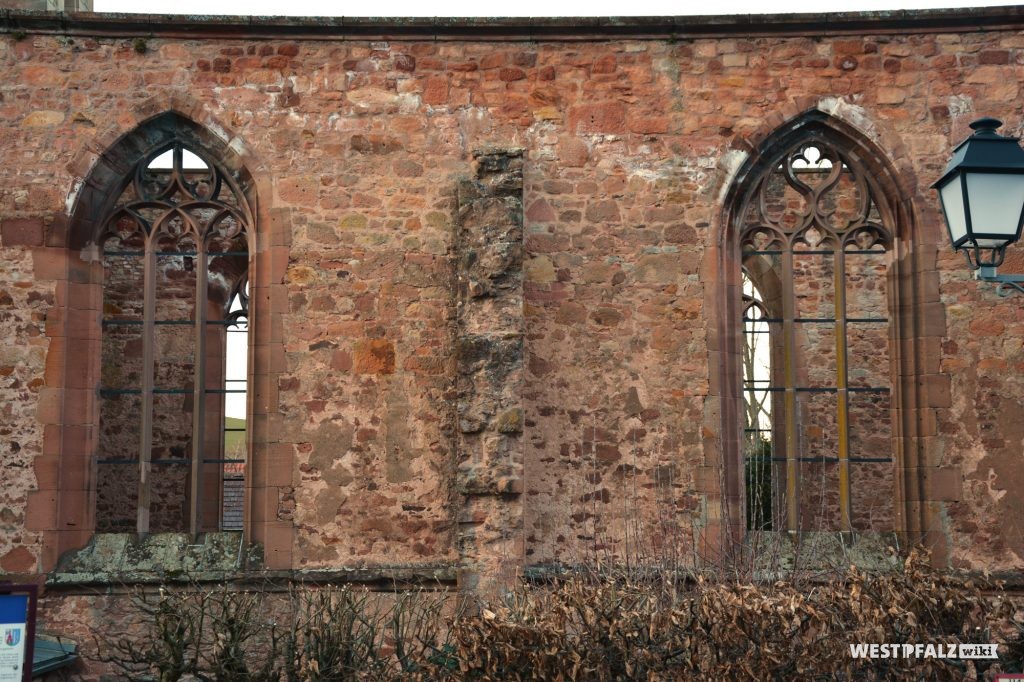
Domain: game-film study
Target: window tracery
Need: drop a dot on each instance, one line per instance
(815, 248)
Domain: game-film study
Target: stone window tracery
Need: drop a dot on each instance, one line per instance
(175, 251)
(815, 245)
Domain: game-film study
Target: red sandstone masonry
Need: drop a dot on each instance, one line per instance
(631, 148)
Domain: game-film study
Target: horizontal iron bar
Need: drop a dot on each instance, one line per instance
(223, 461)
(135, 461)
(114, 323)
(774, 252)
(138, 391)
(225, 390)
(237, 430)
(817, 389)
(779, 320)
(821, 460)
(175, 253)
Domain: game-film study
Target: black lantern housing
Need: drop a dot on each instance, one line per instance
(982, 194)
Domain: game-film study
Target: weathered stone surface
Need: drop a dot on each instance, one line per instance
(490, 357)
(421, 300)
(122, 557)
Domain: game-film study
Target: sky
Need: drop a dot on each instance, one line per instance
(519, 8)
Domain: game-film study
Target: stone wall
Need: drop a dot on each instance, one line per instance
(419, 408)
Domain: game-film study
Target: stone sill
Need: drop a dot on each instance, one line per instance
(818, 554)
(122, 560)
(780, 554)
(819, 557)
(380, 578)
(505, 28)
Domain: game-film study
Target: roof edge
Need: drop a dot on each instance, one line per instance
(512, 28)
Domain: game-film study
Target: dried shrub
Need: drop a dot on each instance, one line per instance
(209, 633)
(596, 626)
(308, 633)
(620, 627)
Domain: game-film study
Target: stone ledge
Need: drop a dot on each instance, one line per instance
(514, 28)
(381, 578)
(112, 560)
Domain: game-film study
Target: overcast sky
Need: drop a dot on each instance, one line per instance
(519, 8)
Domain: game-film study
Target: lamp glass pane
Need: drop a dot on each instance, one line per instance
(953, 206)
(996, 202)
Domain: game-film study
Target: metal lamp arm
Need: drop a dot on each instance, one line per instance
(1005, 284)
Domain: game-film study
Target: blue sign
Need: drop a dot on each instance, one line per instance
(13, 622)
(13, 608)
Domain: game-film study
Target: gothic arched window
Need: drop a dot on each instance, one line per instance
(175, 250)
(815, 236)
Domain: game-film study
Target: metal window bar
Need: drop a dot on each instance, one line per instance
(782, 241)
(115, 322)
(827, 460)
(177, 253)
(776, 320)
(141, 215)
(817, 389)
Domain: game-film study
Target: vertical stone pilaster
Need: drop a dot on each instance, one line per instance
(489, 347)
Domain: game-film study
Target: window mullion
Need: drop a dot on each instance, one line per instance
(789, 378)
(199, 400)
(842, 395)
(146, 432)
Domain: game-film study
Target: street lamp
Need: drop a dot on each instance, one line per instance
(982, 194)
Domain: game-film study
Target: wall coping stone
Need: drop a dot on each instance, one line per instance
(512, 28)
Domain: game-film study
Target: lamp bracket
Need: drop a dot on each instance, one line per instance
(1005, 284)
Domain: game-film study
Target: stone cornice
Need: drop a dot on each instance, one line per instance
(100, 25)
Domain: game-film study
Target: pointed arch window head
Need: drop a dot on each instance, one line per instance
(175, 247)
(814, 238)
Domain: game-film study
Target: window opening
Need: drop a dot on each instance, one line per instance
(175, 254)
(816, 367)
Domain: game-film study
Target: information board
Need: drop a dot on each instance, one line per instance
(13, 636)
